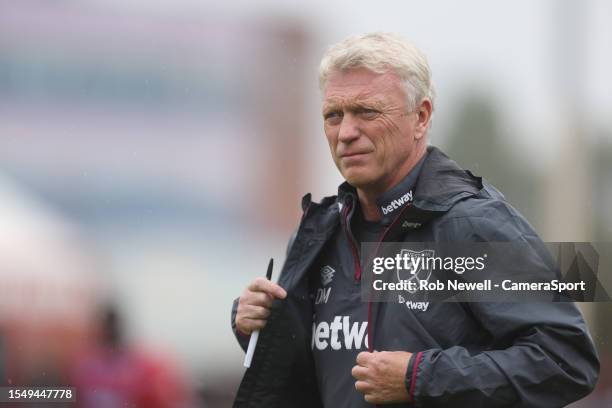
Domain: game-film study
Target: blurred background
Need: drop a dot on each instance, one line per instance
(141, 141)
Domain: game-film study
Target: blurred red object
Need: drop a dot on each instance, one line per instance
(113, 374)
(120, 378)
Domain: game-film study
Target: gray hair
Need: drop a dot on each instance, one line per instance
(379, 52)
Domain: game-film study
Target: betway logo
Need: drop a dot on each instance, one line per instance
(413, 305)
(339, 334)
(397, 203)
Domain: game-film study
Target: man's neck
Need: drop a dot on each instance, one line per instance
(368, 196)
(369, 208)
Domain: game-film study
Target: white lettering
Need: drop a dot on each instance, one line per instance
(354, 334)
(321, 334)
(416, 264)
(456, 285)
(397, 203)
(378, 269)
(424, 285)
(417, 305)
(322, 295)
(335, 326)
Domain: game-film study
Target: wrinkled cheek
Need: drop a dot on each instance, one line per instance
(338, 163)
(333, 145)
(389, 126)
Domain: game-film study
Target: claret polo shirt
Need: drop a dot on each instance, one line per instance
(340, 320)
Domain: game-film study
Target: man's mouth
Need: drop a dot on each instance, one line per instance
(353, 154)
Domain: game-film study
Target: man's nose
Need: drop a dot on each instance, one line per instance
(349, 129)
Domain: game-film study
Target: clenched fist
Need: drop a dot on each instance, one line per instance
(381, 376)
(255, 303)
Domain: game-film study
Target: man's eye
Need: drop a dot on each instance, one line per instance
(333, 118)
(368, 114)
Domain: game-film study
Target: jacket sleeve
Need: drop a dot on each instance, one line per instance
(541, 355)
(243, 339)
(549, 362)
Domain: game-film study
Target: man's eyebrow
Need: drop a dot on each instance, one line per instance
(351, 106)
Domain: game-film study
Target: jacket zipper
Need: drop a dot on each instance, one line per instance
(357, 261)
(380, 241)
(352, 242)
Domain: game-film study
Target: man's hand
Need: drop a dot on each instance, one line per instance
(381, 376)
(255, 303)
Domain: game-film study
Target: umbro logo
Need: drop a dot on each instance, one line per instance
(327, 275)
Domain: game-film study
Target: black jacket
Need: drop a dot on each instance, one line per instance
(471, 354)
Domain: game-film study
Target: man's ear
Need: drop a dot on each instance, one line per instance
(423, 117)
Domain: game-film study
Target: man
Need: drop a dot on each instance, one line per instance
(323, 346)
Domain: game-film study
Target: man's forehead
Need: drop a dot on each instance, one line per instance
(359, 86)
(350, 100)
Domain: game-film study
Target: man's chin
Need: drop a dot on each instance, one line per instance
(357, 179)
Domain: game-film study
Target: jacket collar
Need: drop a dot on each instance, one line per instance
(442, 183)
(393, 201)
(433, 187)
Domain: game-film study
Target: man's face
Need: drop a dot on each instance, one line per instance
(370, 131)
